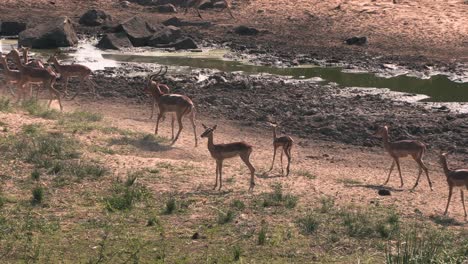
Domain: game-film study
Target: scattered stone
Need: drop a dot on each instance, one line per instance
(57, 33)
(114, 41)
(138, 30)
(384, 192)
(245, 30)
(167, 8)
(196, 236)
(165, 36)
(219, 4)
(185, 43)
(175, 21)
(94, 17)
(356, 41)
(11, 28)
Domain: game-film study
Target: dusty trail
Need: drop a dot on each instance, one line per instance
(348, 173)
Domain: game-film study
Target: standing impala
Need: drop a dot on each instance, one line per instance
(220, 152)
(286, 143)
(73, 70)
(11, 76)
(34, 75)
(151, 88)
(455, 178)
(197, 3)
(401, 149)
(179, 104)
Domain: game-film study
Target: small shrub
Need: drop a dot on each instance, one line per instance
(31, 129)
(277, 198)
(35, 175)
(308, 224)
(124, 197)
(34, 108)
(262, 235)
(5, 104)
(225, 217)
(153, 221)
(83, 116)
(86, 170)
(327, 204)
(171, 206)
(236, 252)
(238, 204)
(306, 174)
(37, 195)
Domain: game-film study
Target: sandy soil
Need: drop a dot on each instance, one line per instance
(413, 33)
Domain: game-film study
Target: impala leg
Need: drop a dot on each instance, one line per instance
(448, 201)
(391, 169)
(399, 171)
(198, 12)
(179, 120)
(463, 201)
(220, 175)
(79, 89)
(217, 172)
(281, 162)
(288, 154)
(55, 92)
(427, 174)
(65, 89)
(417, 179)
(274, 156)
(192, 119)
(153, 105)
(245, 159)
(157, 123)
(172, 126)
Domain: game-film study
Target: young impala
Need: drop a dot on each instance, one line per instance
(286, 143)
(220, 152)
(401, 149)
(455, 178)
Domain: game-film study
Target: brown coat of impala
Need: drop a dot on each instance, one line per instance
(220, 152)
(73, 70)
(195, 4)
(403, 148)
(10, 76)
(286, 143)
(179, 104)
(34, 75)
(152, 87)
(455, 178)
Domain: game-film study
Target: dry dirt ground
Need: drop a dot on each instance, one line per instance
(335, 184)
(412, 33)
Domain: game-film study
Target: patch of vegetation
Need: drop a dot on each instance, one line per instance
(236, 252)
(37, 195)
(238, 204)
(347, 181)
(83, 116)
(5, 104)
(262, 235)
(171, 205)
(444, 220)
(34, 108)
(327, 203)
(105, 150)
(361, 223)
(308, 224)
(125, 195)
(225, 217)
(278, 198)
(306, 174)
(32, 129)
(425, 246)
(35, 175)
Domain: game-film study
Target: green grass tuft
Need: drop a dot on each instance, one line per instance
(37, 195)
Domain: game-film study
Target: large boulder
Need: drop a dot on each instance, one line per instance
(11, 28)
(185, 43)
(114, 41)
(175, 21)
(57, 33)
(245, 30)
(165, 36)
(138, 31)
(356, 41)
(94, 18)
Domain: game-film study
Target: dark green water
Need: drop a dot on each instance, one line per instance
(438, 87)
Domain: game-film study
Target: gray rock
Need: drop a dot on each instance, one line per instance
(114, 41)
(356, 41)
(57, 33)
(11, 28)
(165, 36)
(185, 43)
(167, 8)
(94, 18)
(138, 30)
(245, 30)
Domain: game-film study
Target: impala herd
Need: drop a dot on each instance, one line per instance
(29, 73)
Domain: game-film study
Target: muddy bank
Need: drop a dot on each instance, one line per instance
(302, 108)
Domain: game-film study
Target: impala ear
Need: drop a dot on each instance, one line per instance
(215, 126)
(205, 127)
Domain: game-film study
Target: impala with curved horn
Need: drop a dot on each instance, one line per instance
(152, 85)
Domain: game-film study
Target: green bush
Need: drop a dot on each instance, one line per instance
(225, 217)
(37, 195)
(308, 224)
